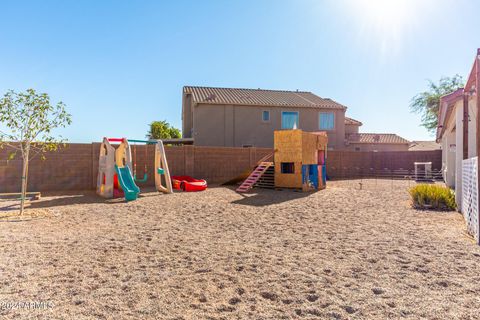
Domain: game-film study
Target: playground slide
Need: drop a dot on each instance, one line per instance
(127, 183)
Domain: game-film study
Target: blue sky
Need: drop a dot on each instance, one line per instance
(118, 65)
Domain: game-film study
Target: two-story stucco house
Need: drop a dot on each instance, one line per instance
(248, 117)
(231, 117)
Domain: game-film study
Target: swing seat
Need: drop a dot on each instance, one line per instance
(160, 171)
(145, 178)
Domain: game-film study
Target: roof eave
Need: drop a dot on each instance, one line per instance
(363, 142)
(446, 103)
(336, 107)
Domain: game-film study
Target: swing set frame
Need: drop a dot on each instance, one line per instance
(145, 172)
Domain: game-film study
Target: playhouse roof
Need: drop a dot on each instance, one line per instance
(389, 138)
(260, 97)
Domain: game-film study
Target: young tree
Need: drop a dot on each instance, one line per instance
(427, 103)
(29, 119)
(163, 130)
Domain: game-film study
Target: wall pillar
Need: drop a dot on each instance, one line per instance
(189, 157)
(253, 156)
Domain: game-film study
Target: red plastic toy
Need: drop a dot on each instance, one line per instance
(188, 184)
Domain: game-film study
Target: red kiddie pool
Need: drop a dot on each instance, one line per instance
(188, 184)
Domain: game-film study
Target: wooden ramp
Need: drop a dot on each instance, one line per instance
(254, 177)
(244, 175)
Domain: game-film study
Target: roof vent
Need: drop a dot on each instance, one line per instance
(376, 138)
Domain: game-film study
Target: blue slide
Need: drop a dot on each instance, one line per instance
(125, 179)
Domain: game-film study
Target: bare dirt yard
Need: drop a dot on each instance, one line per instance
(341, 253)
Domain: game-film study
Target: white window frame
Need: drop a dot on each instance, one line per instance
(281, 118)
(319, 116)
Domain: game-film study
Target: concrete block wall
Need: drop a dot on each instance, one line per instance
(349, 164)
(76, 166)
(67, 169)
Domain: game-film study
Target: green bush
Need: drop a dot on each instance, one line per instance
(432, 196)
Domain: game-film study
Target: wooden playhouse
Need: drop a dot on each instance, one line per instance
(299, 162)
(300, 159)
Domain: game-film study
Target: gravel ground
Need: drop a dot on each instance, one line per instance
(341, 253)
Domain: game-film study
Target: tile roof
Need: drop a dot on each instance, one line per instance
(260, 97)
(389, 138)
(424, 146)
(352, 121)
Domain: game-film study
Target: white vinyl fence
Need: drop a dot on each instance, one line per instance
(470, 196)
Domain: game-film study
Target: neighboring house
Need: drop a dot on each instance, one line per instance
(459, 142)
(351, 126)
(356, 141)
(424, 146)
(376, 142)
(231, 117)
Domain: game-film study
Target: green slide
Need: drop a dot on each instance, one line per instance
(125, 179)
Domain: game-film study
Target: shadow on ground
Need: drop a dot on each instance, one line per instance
(56, 199)
(265, 197)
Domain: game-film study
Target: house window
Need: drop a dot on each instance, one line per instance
(326, 121)
(289, 120)
(357, 148)
(266, 116)
(287, 167)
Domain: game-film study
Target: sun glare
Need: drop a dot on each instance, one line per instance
(385, 24)
(386, 13)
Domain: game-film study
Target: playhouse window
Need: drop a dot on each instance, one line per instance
(287, 167)
(326, 121)
(266, 116)
(289, 120)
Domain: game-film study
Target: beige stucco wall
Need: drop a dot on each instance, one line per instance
(377, 147)
(458, 111)
(237, 126)
(187, 116)
(472, 141)
(444, 156)
(450, 152)
(452, 157)
(351, 128)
